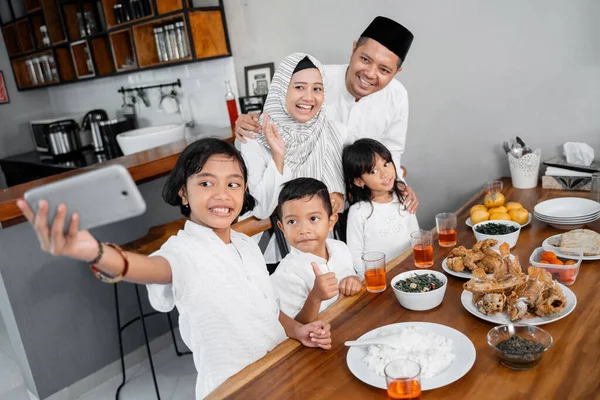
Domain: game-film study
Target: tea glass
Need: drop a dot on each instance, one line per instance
(492, 186)
(422, 245)
(446, 227)
(375, 277)
(403, 379)
(595, 187)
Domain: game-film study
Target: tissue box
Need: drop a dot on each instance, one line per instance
(567, 183)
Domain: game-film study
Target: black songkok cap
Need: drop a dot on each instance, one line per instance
(390, 34)
(305, 63)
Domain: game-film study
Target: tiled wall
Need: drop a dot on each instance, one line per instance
(202, 93)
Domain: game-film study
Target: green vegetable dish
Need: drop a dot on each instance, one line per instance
(496, 229)
(419, 284)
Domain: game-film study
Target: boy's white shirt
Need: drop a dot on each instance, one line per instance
(386, 230)
(294, 278)
(228, 311)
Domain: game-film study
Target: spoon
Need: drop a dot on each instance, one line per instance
(526, 149)
(391, 340)
(506, 147)
(516, 151)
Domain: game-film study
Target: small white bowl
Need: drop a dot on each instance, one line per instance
(510, 238)
(420, 301)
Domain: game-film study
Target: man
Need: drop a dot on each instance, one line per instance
(364, 96)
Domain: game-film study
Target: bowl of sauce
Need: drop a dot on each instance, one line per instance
(519, 346)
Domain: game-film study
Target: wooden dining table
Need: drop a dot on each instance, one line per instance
(570, 369)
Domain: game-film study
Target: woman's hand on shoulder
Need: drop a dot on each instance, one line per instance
(337, 202)
(53, 239)
(245, 125)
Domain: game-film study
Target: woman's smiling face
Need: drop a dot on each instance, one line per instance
(305, 95)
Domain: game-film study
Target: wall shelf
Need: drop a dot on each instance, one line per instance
(77, 28)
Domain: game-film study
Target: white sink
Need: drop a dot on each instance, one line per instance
(147, 138)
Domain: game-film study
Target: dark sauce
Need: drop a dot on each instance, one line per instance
(519, 346)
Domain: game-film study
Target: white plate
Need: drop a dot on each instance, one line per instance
(544, 218)
(465, 275)
(546, 243)
(463, 350)
(502, 318)
(468, 221)
(567, 207)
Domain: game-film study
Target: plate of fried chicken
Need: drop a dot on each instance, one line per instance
(511, 296)
(461, 262)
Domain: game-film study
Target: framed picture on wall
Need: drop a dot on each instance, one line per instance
(3, 92)
(252, 104)
(258, 79)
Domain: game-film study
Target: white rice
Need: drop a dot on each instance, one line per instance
(433, 352)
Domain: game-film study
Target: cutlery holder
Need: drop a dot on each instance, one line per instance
(524, 171)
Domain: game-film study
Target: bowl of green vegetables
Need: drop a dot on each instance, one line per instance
(500, 230)
(420, 290)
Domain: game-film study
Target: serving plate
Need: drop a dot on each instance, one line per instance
(546, 243)
(567, 207)
(464, 275)
(463, 349)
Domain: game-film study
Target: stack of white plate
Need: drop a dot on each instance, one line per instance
(567, 212)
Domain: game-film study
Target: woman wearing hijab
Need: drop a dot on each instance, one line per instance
(298, 140)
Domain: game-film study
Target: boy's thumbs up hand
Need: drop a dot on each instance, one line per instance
(326, 285)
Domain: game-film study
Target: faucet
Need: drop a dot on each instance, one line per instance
(173, 95)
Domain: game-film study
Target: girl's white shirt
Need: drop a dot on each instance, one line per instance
(387, 230)
(228, 310)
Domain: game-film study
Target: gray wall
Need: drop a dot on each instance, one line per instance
(60, 318)
(15, 116)
(478, 73)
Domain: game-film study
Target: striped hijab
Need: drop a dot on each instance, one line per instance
(313, 149)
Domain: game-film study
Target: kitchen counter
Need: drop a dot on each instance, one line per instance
(143, 166)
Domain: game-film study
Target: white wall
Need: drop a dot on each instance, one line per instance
(15, 116)
(202, 92)
(478, 73)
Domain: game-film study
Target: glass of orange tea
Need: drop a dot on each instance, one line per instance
(446, 228)
(422, 244)
(403, 379)
(375, 278)
(492, 186)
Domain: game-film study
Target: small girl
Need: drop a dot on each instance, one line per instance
(217, 278)
(377, 219)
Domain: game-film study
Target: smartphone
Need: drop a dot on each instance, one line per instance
(100, 197)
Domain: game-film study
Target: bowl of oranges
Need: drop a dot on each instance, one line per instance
(494, 208)
(563, 270)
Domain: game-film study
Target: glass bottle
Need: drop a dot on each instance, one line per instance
(231, 104)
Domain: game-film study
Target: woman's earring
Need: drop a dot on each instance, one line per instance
(187, 206)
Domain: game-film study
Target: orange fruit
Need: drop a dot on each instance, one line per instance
(478, 216)
(548, 256)
(556, 261)
(501, 209)
(494, 199)
(477, 208)
(571, 262)
(512, 205)
(543, 262)
(500, 216)
(519, 215)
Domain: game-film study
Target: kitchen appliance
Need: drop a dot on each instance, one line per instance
(40, 132)
(63, 137)
(91, 123)
(109, 131)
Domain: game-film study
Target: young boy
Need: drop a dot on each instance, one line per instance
(306, 280)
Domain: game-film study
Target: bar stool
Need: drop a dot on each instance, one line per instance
(142, 317)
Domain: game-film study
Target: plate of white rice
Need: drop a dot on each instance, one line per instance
(445, 354)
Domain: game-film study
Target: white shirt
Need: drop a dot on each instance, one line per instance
(386, 230)
(228, 312)
(382, 116)
(294, 278)
(264, 179)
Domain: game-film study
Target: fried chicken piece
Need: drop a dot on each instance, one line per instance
(455, 264)
(490, 303)
(527, 297)
(490, 264)
(484, 244)
(552, 301)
